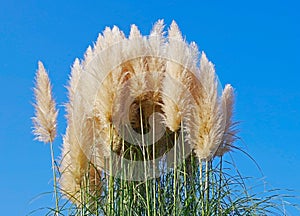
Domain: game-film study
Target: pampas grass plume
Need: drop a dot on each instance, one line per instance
(77, 141)
(176, 85)
(45, 117)
(230, 130)
(209, 124)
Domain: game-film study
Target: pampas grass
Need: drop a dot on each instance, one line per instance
(176, 85)
(45, 111)
(230, 131)
(146, 121)
(45, 119)
(77, 144)
(209, 121)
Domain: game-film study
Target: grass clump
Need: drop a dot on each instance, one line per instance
(148, 130)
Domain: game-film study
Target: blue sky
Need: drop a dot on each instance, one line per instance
(253, 44)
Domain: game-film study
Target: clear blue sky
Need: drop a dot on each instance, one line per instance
(254, 45)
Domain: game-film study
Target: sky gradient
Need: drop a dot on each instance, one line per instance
(253, 44)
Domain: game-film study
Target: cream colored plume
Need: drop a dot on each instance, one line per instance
(78, 141)
(230, 130)
(108, 73)
(176, 85)
(45, 111)
(208, 130)
(92, 89)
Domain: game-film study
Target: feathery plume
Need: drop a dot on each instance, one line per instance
(77, 142)
(176, 84)
(230, 131)
(45, 111)
(73, 160)
(100, 87)
(209, 123)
